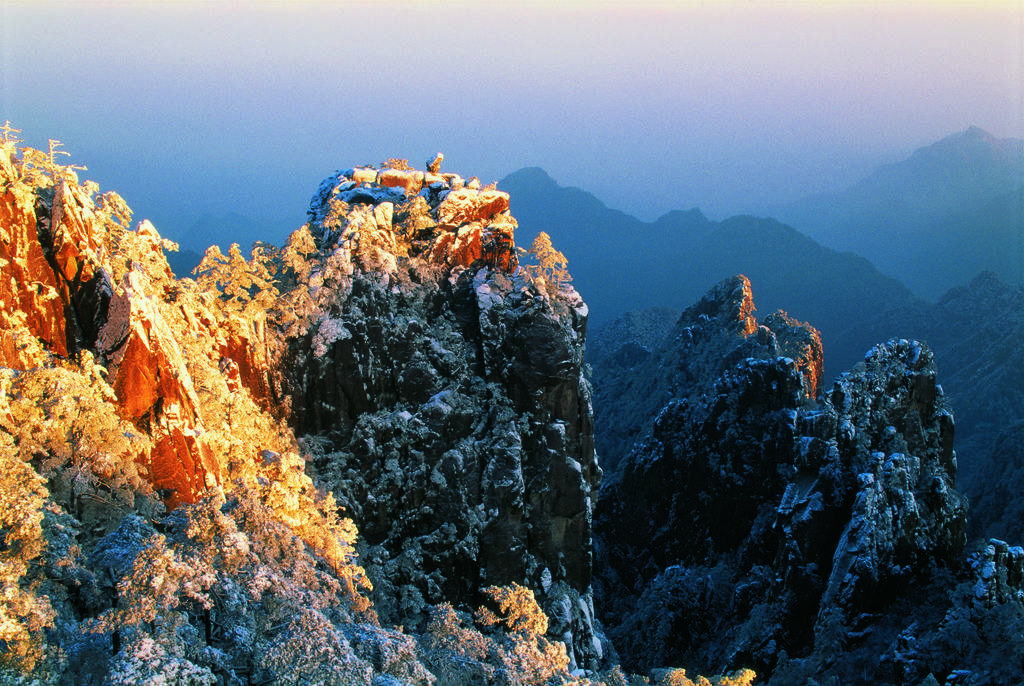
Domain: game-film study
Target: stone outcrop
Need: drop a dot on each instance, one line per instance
(148, 372)
(975, 333)
(441, 397)
(710, 337)
(757, 528)
(452, 223)
(50, 266)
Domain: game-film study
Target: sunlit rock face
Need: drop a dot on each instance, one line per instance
(756, 527)
(63, 291)
(452, 224)
(441, 395)
(434, 388)
(51, 272)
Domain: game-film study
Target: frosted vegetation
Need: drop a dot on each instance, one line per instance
(257, 580)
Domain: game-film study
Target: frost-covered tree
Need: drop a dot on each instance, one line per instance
(514, 652)
(24, 612)
(550, 264)
(64, 421)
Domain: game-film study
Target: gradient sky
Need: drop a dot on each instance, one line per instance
(193, 108)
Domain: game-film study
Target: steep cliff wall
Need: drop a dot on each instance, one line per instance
(756, 527)
(440, 393)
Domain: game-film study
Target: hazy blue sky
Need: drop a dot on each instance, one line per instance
(188, 108)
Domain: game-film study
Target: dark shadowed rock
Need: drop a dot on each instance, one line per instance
(754, 528)
(441, 395)
(708, 338)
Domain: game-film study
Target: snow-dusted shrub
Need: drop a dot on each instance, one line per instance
(310, 650)
(146, 662)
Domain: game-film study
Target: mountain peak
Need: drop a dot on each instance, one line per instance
(976, 132)
(974, 144)
(690, 217)
(535, 176)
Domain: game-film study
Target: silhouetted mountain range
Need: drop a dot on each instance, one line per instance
(934, 220)
(620, 263)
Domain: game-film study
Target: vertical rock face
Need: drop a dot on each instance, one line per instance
(51, 271)
(755, 528)
(709, 338)
(441, 394)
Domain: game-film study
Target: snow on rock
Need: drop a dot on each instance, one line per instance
(448, 396)
(443, 219)
(765, 524)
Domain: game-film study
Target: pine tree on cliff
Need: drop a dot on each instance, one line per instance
(552, 265)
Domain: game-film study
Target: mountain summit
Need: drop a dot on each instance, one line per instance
(935, 220)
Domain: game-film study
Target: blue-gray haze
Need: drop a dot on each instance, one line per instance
(233, 112)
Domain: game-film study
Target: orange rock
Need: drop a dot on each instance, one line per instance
(245, 346)
(182, 466)
(27, 281)
(746, 307)
(467, 205)
(410, 181)
(499, 245)
(72, 227)
(145, 361)
(492, 242)
(467, 245)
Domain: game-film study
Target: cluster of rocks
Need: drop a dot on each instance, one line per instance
(443, 217)
(757, 523)
(975, 332)
(633, 382)
(53, 285)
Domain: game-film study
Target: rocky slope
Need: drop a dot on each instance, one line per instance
(973, 332)
(391, 352)
(706, 340)
(754, 527)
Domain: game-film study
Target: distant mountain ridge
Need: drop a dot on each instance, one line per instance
(934, 220)
(620, 263)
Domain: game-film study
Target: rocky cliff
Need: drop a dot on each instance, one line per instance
(974, 332)
(756, 524)
(389, 369)
(440, 394)
(707, 339)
